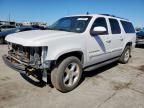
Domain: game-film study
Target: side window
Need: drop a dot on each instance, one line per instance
(128, 27)
(115, 28)
(100, 22)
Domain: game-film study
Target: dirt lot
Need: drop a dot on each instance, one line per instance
(113, 86)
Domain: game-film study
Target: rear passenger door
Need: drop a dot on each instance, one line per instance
(117, 39)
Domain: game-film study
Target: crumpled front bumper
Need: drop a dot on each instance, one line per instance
(21, 67)
(16, 66)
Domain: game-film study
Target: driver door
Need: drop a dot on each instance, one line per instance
(98, 45)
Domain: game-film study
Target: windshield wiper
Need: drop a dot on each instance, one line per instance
(61, 29)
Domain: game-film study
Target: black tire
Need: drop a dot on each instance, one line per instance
(125, 55)
(1, 40)
(53, 76)
(59, 74)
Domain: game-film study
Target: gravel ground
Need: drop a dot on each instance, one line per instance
(112, 86)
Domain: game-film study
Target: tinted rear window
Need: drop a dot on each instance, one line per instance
(128, 27)
(115, 28)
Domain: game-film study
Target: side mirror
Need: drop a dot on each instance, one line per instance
(99, 30)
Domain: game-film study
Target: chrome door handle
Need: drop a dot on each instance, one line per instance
(108, 41)
(121, 39)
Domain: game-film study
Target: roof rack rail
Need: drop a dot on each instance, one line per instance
(114, 16)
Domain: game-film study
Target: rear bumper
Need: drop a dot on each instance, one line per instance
(140, 41)
(16, 66)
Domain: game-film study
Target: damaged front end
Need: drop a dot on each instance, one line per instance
(27, 59)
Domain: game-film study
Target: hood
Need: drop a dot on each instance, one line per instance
(36, 37)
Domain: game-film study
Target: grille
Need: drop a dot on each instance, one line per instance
(26, 54)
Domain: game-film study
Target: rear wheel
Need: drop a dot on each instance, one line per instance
(67, 75)
(126, 55)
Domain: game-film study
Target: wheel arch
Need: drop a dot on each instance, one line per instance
(78, 54)
(128, 44)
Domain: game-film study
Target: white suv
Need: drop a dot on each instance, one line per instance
(71, 45)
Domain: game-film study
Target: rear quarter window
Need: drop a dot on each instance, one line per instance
(128, 27)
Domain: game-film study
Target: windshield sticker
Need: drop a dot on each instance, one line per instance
(84, 19)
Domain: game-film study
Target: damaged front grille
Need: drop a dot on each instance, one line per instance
(29, 55)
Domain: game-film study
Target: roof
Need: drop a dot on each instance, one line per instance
(102, 15)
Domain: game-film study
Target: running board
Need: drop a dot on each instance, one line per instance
(100, 64)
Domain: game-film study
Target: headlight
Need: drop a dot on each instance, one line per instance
(44, 53)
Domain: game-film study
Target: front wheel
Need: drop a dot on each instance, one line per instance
(125, 55)
(67, 75)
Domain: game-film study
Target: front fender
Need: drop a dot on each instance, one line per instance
(57, 53)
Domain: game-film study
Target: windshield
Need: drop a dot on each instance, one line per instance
(76, 24)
